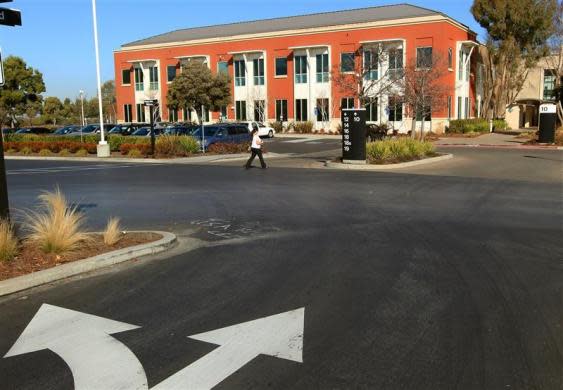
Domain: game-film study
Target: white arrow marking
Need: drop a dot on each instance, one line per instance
(83, 341)
(279, 335)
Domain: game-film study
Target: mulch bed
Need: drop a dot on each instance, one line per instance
(31, 258)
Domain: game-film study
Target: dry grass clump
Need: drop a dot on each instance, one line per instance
(8, 241)
(57, 229)
(113, 232)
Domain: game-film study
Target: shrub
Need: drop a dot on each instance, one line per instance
(112, 233)
(463, 126)
(57, 229)
(9, 151)
(26, 151)
(398, 150)
(500, 125)
(277, 126)
(143, 149)
(64, 153)
(81, 153)
(115, 142)
(303, 127)
(45, 152)
(8, 241)
(229, 148)
(134, 153)
(53, 147)
(176, 145)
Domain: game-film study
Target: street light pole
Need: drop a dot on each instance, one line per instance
(83, 121)
(103, 147)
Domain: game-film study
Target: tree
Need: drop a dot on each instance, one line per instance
(517, 34)
(196, 86)
(423, 89)
(109, 101)
(23, 86)
(52, 109)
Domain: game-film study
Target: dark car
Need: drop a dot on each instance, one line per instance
(92, 129)
(126, 128)
(8, 131)
(66, 130)
(180, 130)
(33, 130)
(146, 132)
(222, 133)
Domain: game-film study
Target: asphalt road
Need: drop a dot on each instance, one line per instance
(410, 280)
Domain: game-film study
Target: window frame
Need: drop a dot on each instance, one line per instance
(301, 64)
(168, 68)
(348, 100)
(425, 65)
(226, 70)
(370, 73)
(281, 105)
(140, 113)
(300, 114)
(123, 72)
(397, 104)
(172, 114)
(258, 71)
(139, 81)
(350, 61)
(320, 117)
(276, 74)
(240, 110)
(370, 112)
(450, 59)
(261, 116)
(153, 78)
(127, 113)
(240, 66)
(322, 68)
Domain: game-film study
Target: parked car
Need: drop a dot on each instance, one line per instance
(180, 130)
(263, 130)
(222, 132)
(33, 130)
(66, 130)
(146, 132)
(7, 130)
(126, 128)
(91, 129)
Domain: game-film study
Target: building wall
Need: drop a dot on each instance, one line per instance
(441, 35)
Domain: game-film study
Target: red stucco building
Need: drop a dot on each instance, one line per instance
(282, 69)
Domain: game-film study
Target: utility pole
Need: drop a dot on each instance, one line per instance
(8, 17)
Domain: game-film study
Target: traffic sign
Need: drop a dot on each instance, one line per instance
(151, 102)
(10, 17)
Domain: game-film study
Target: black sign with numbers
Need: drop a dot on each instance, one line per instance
(354, 134)
(10, 17)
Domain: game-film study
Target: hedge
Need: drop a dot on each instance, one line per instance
(468, 126)
(54, 147)
(398, 150)
(144, 149)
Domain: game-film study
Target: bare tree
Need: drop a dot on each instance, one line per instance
(259, 102)
(424, 91)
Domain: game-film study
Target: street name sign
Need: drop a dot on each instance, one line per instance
(99, 361)
(10, 17)
(151, 102)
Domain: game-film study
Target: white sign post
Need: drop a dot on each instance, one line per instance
(1, 70)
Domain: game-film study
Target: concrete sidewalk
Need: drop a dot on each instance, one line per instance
(488, 139)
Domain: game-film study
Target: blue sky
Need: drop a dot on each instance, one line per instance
(57, 35)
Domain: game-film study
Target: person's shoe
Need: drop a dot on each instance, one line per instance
(266, 167)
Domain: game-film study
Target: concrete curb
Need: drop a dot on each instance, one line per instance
(308, 136)
(64, 271)
(373, 167)
(492, 146)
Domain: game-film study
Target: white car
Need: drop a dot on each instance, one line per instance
(263, 130)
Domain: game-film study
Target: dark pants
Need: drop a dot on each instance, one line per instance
(256, 152)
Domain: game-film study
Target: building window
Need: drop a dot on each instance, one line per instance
(126, 77)
(281, 66)
(371, 65)
(549, 78)
(240, 73)
(425, 111)
(259, 110)
(139, 79)
(223, 113)
(371, 111)
(240, 110)
(301, 108)
(172, 114)
(449, 107)
(466, 108)
(347, 62)
(187, 115)
(153, 78)
(467, 68)
(170, 73)
(395, 109)
(322, 68)
(459, 107)
(140, 113)
(396, 63)
(424, 57)
(223, 68)
(128, 111)
(450, 58)
(300, 69)
(346, 103)
(281, 110)
(322, 110)
(258, 71)
(205, 114)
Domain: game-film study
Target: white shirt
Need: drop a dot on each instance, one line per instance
(256, 142)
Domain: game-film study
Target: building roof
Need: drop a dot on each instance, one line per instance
(325, 19)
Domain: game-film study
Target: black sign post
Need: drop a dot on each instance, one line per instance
(354, 136)
(547, 123)
(152, 104)
(8, 17)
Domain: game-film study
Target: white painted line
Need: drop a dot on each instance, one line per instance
(298, 141)
(36, 171)
(279, 336)
(83, 341)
